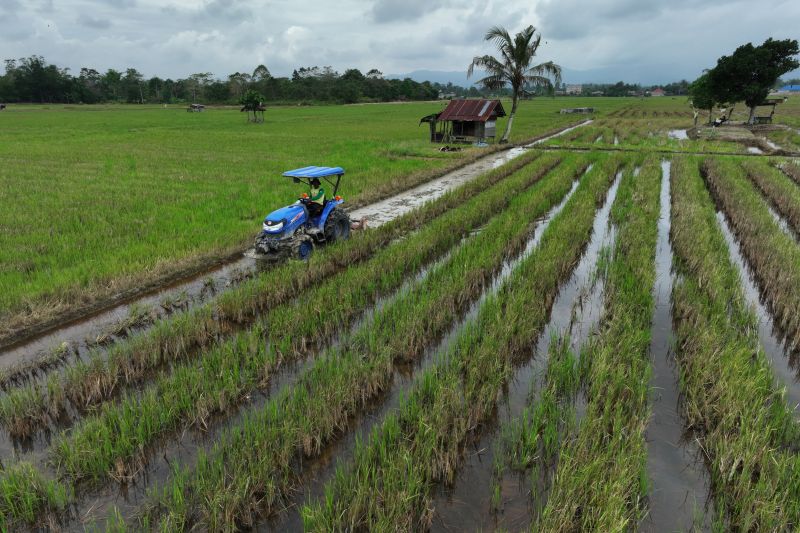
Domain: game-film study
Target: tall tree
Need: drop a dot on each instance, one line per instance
(132, 86)
(239, 82)
(750, 72)
(261, 73)
(197, 83)
(702, 96)
(515, 66)
(111, 81)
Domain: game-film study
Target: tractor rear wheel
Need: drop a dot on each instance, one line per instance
(337, 226)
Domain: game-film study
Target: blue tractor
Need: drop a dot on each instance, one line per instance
(292, 231)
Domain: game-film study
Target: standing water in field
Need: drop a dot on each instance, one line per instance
(778, 354)
(781, 222)
(679, 484)
(575, 312)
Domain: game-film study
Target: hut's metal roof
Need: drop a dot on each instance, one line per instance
(473, 110)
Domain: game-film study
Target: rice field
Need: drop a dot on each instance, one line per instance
(100, 201)
(602, 334)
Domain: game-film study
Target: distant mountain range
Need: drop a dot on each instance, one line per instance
(649, 75)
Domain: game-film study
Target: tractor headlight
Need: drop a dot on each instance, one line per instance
(273, 227)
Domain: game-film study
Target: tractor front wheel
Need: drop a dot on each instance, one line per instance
(303, 249)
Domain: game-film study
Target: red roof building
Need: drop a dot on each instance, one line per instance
(658, 91)
(465, 121)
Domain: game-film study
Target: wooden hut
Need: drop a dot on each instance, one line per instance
(465, 121)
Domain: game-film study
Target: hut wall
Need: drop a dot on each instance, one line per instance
(490, 129)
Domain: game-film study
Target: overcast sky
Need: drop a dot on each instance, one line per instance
(595, 40)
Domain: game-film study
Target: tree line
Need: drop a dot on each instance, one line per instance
(746, 76)
(32, 79)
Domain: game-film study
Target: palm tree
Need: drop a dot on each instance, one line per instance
(515, 67)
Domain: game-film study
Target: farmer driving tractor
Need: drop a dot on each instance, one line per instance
(316, 200)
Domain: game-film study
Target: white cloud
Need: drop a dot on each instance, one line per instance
(635, 40)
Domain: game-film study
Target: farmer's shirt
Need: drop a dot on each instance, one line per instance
(318, 195)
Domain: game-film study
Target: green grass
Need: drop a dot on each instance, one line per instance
(28, 497)
(95, 200)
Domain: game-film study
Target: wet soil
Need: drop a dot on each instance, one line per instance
(679, 497)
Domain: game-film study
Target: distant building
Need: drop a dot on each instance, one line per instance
(574, 89)
(465, 121)
(789, 89)
(597, 93)
(658, 91)
(446, 96)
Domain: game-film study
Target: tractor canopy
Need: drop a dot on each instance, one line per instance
(331, 175)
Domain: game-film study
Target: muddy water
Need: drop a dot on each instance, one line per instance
(340, 452)
(559, 134)
(778, 354)
(575, 312)
(79, 335)
(198, 288)
(382, 212)
(679, 484)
